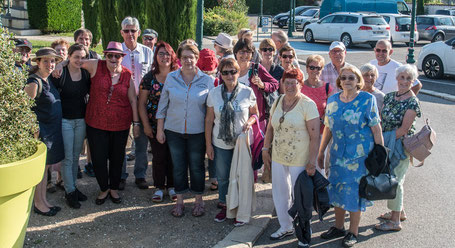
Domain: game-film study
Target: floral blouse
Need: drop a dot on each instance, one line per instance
(150, 83)
(393, 112)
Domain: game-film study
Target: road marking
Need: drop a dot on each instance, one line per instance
(438, 94)
(435, 82)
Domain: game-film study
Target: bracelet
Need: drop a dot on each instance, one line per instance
(136, 123)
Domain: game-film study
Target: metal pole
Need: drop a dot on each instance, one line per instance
(293, 16)
(200, 23)
(290, 16)
(8, 13)
(410, 59)
(260, 15)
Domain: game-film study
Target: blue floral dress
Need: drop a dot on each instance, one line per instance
(352, 141)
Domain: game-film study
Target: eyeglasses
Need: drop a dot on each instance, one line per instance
(111, 89)
(381, 50)
(148, 38)
(243, 52)
(117, 56)
(127, 31)
(287, 56)
(350, 78)
(161, 54)
(339, 52)
(269, 49)
(318, 68)
(289, 84)
(232, 72)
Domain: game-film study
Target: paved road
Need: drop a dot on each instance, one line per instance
(429, 199)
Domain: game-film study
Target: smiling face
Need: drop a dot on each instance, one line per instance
(130, 33)
(113, 60)
(383, 53)
(348, 80)
(25, 54)
(62, 50)
(267, 53)
(46, 65)
(84, 39)
(244, 56)
(229, 74)
(404, 81)
(164, 58)
(369, 78)
(287, 58)
(314, 69)
(75, 59)
(149, 41)
(337, 56)
(188, 60)
(291, 86)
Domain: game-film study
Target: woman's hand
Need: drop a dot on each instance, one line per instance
(136, 131)
(160, 136)
(210, 152)
(258, 82)
(310, 169)
(148, 131)
(246, 127)
(267, 159)
(321, 160)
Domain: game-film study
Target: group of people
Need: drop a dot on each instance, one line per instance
(193, 104)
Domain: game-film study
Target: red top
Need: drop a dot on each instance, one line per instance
(115, 115)
(319, 96)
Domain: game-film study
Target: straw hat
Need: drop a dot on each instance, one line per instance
(47, 52)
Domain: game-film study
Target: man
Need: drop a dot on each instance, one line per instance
(280, 39)
(387, 81)
(149, 38)
(138, 60)
(331, 71)
(84, 36)
(24, 47)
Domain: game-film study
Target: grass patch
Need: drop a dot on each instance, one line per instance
(37, 44)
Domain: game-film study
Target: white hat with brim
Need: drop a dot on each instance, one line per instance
(223, 40)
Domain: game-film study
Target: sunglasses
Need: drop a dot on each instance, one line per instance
(232, 72)
(267, 49)
(287, 56)
(117, 56)
(126, 31)
(318, 68)
(148, 38)
(381, 50)
(350, 78)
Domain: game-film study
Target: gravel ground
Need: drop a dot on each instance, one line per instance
(136, 222)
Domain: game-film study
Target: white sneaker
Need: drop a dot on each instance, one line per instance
(300, 244)
(279, 234)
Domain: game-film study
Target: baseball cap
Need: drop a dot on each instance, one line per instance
(337, 44)
(23, 43)
(150, 32)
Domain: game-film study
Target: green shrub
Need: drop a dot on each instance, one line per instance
(55, 15)
(17, 120)
(219, 19)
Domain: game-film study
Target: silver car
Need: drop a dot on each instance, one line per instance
(309, 16)
(435, 27)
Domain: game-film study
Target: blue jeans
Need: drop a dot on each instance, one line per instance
(212, 170)
(141, 161)
(73, 131)
(187, 151)
(222, 161)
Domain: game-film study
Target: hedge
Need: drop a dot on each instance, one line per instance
(91, 19)
(219, 19)
(55, 15)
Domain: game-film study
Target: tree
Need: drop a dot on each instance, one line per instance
(420, 7)
(91, 19)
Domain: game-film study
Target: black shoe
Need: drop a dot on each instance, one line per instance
(349, 240)
(116, 200)
(333, 232)
(101, 201)
(130, 157)
(121, 185)
(79, 173)
(51, 212)
(80, 196)
(88, 169)
(141, 183)
(56, 208)
(72, 201)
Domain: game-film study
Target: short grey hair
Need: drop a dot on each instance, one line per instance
(409, 69)
(281, 35)
(385, 42)
(369, 68)
(130, 21)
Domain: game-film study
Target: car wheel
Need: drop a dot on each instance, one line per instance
(391, 41)
(280, 26)
(438, 37)
(346, 39)
(432, 67)
(309, 36)
(407, 43)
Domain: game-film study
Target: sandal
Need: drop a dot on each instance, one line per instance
(388, 216)
(214, 186)
(158, 196)
(172, 194)
(178, 210)
(198, 210)
(388, 226)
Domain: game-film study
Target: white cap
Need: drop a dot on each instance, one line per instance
(224, 40)
(337, 44)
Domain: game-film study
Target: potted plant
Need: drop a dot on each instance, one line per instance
(22, 158)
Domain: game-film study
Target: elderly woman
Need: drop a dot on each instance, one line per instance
(293, 136)
(398, 115)
(267, 49)
(287, 56)
(181, 115)
(61, 46)
(230, 110)
(370, 74)
(73, 85)
(223, 46)
(48, 110)
(352, 120)
(247, 34)
(314, 87)
(164, 62)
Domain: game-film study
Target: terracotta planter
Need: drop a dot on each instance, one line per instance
(17, 185)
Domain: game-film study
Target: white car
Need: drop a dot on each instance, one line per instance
(309, 16)
(349, 28)
(436, 59)
(400, 28)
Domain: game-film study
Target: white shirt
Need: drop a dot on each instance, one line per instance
(244, 79)
(387, 78)
(143, 59)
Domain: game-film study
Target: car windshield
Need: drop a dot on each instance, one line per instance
(374, 20)
(447, 21)
(425, 21)
(309, 12)
(403, 20)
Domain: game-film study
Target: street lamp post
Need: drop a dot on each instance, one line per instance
(291, 18)
(410, 59)
(200, 23)
(260, 15)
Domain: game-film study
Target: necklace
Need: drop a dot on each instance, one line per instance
(398, 95)
(287, 111)
(307, 83)
(346, 98)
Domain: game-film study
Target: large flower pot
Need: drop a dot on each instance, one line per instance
(17, 185)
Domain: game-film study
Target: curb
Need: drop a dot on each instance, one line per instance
(444, 96)
(245, 236)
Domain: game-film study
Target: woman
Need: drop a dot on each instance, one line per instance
(48, 112)
(61, 46)
(293, 136)
(164, 61)
(73, 85)
(352, 120)
(398, 115)
(370, 74)
(231, 109)
(314, 87)
(110, 110)
(287, 56)
(260, 81)
(223, 46)
(181, 114)
(247, 34)
(267, 49)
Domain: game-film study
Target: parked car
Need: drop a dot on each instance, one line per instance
(450, 12)
(436, 59)
(350, 28)
(281, 19)
(310, 15)
(435, 27)
(378, 6)
(400, 28)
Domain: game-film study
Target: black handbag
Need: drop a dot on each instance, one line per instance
(381, 187)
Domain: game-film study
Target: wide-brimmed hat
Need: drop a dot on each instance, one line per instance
(207, 60)
(47, 52)
(114, 47)
(150, 32)
(223, 40)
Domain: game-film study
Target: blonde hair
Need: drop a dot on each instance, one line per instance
(242, 32)
(267, 43)
(356, 72)
(315, 58)
(188, 47)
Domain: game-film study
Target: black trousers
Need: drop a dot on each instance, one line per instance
(162, 167)
(107, 148)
